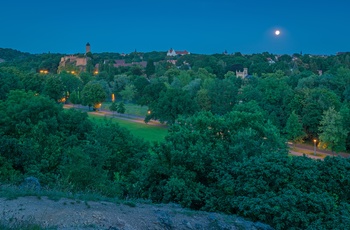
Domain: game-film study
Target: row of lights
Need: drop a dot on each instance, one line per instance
(72, 72)
(44, 71)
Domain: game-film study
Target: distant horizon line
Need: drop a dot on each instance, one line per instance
(228, 53)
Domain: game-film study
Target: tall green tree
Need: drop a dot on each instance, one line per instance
(85, 77)
(54, 87)
(113, 107)
(345, 113)
(74, 97)
(151, 93)
(222, 94)
(93, 94)
(128, 93)
(70, 83)
(203, 100)
(171, 104)
(121, 108)
(316, 102)
(140, 84)
(294, 128)
(275, 96)
(332, 132)
(150, 68)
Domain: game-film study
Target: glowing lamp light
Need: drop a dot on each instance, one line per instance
(43, 71)
(315, 147)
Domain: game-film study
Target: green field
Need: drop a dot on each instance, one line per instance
(130, 108)
(147, 132)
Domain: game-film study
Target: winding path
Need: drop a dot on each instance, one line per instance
(302, 148)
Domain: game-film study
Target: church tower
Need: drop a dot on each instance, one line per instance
(88, 50)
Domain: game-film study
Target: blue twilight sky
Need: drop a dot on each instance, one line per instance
(199, 26)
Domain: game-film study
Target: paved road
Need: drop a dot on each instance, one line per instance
(301, 147)
(310, 148)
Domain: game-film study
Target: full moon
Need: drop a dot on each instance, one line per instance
(277, 32)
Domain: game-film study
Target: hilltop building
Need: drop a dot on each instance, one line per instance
(173, 53)
(241, 74)
(270, 61)
(87, 48)
(122, 63)
(118, 63)
(75, 62)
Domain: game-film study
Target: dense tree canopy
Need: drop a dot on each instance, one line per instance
(225, 150)
(172, 103)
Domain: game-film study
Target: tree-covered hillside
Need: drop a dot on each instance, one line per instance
(12, 55)
(226, 146)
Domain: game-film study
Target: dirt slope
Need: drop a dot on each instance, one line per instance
(74, 214)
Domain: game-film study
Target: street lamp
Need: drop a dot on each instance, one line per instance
(315, 147)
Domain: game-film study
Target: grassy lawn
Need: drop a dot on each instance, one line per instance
(129, 109)
(147, 132)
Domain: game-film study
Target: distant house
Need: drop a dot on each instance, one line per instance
(172, 61)
(173, 53)
(241, 74)
(79, 61)
(119, 63)
(141, 63)
(185, 52)
(270, 61)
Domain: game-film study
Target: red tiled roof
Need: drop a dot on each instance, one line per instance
(181, 52)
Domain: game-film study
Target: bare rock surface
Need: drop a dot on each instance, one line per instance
(75, 214)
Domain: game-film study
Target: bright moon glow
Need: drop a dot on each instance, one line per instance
(277, 32)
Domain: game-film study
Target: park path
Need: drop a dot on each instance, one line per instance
(108, 113)
(301, 147)
(309, 148)
(300, 154)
